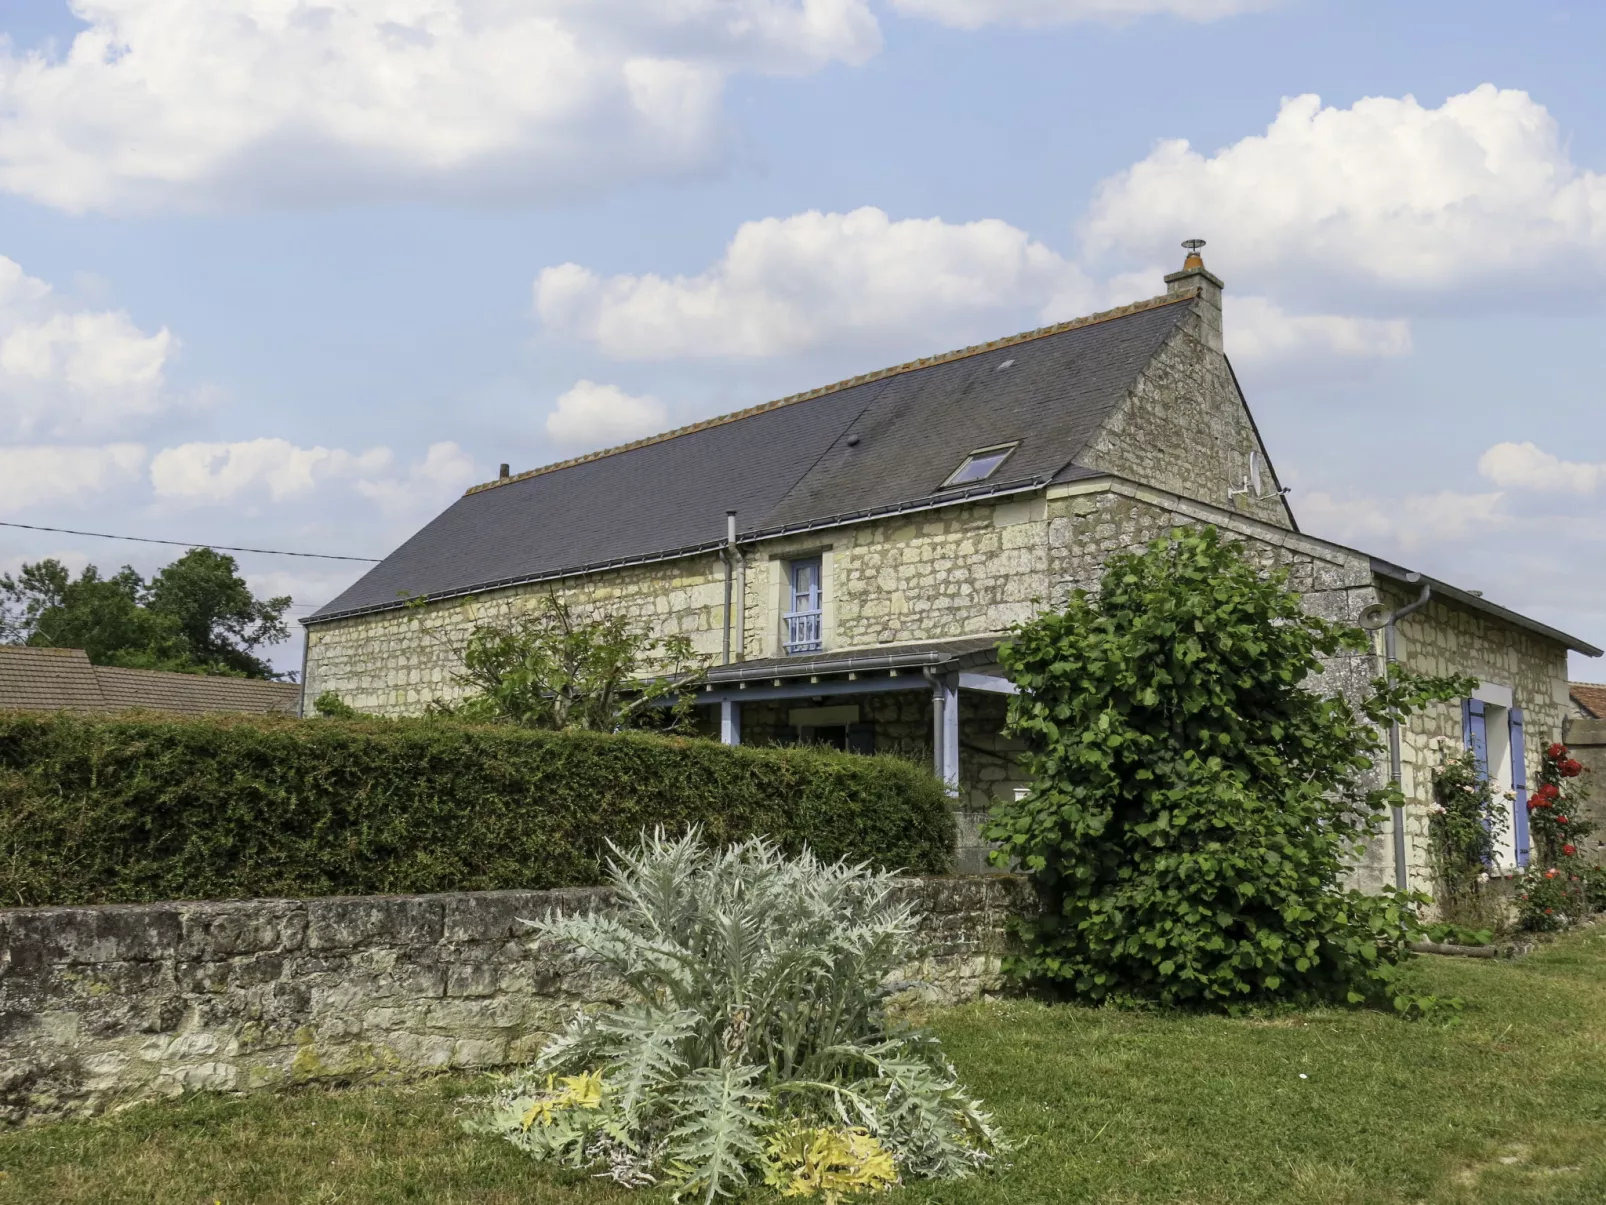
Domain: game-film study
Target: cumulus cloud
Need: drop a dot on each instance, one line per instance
(1388, 192)
(973, 14)
(1526, 466)
(791, 285)
(598, 416)
(1414, 522)
(279, 471)
(64, 369)
(191, 101)
(38, 475)
(1258, 331)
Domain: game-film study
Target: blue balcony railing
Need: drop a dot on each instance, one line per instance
(802, 631)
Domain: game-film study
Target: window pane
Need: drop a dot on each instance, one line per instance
(979, 467)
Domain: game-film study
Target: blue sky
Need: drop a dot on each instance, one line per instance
(293, 275)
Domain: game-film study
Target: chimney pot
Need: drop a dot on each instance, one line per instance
(1206, 286)
(504, 474)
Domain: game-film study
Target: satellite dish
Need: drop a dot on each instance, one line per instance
(1375, 616)
(1254, 474)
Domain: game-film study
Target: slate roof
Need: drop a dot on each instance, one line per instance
(950, 654)
(873, 445)
(41, 679)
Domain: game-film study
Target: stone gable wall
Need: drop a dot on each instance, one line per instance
(100, 1007)
(1185, 428)
(1586, 739)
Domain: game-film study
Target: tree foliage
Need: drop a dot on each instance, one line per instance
(1197, 801)
(554, 670)
(197, 615)
(754, 1045)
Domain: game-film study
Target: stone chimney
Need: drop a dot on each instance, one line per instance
(1195, 277)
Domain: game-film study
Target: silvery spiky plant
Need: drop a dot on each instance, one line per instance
(756, 1046)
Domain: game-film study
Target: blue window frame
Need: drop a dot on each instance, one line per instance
(803, 618)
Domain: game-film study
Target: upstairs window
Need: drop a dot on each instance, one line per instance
(803, 619)
(979, 465)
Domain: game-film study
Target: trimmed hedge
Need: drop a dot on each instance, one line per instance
(143, 808)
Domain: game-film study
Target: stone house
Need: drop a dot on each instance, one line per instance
(852, 557)
(1585, 736)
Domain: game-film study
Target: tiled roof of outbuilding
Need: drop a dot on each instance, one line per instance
(875, 444)
(45, 679)
(1590, 697)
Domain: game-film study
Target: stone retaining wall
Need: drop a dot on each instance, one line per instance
(104, 1006)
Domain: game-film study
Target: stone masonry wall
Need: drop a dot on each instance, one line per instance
(1586, 739)
(1185, 428)
(397, 662)
(1446, 637)
(100, 1007)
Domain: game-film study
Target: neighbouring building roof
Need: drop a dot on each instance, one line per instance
(872, 445)
(41, 679)
(1589, 698)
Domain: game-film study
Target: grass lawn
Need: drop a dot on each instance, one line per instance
(1505, 1105)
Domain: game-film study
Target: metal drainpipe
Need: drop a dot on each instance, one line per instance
(726, 554)
(938, 728)
(1396, 770)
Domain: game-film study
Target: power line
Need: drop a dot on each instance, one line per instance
(101, 535)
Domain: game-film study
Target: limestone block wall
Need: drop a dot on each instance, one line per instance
(100, 1007)
(397, 662)
(1185, 428)
(1586, 739)
(1444, 638)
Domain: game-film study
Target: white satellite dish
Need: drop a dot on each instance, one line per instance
(1254, 474)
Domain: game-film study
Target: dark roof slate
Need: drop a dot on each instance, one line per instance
(785, 466)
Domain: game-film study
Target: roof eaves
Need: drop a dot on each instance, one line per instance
(880, 374)
(947, 498)
(1477, 602)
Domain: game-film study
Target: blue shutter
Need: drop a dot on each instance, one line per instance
(1519, 785)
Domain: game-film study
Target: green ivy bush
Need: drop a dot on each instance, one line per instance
(142, 808)
(1197, 801)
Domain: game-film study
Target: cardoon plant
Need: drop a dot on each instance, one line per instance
(755, 1045)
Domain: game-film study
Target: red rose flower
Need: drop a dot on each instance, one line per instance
(1551, 873)
(1548, 911)
(1555, 751)
(1569, 850)
(1569, 769)
(1561, 820)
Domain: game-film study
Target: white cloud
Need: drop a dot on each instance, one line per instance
(428, 485)
(1389, 192)
(795, 284)
(1413, 522)
(598, 416)
(64, 369)
(189, 102)
(32, 476)
(973, 14)
(1526, 466)
(1257, 331)
(281, 472)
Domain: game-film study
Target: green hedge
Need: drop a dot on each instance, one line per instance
(142, 808)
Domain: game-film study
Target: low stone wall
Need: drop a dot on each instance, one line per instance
(105, 1006)
(1586, 740)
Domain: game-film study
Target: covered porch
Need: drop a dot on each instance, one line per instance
(940, 701)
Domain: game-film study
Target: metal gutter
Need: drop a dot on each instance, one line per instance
(1477, 602)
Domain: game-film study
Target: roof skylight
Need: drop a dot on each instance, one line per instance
(979, 465)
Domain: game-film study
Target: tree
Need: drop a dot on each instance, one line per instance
(552, 670)
(196, 616)
(1197, 802)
